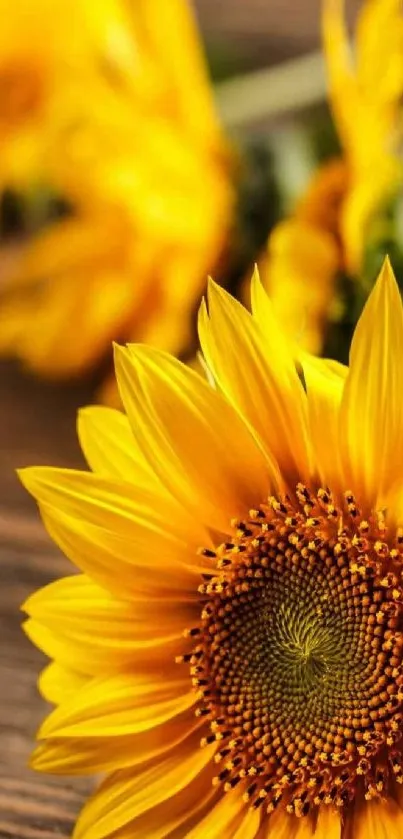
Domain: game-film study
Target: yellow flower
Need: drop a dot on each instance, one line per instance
(365, 90)
(251, 689)
(146, 172)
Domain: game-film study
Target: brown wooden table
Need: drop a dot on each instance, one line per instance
(37, 426)
(262, 32)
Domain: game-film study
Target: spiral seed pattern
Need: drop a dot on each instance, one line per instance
(299, 656)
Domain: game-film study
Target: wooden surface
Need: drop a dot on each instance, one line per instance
(260, 31)
(36, 426)
(263, 32)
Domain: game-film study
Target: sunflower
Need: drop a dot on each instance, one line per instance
(335, 216)
(129, 259)
(231, 655)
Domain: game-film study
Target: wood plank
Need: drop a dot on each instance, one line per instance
(37, 425)
(263, 32)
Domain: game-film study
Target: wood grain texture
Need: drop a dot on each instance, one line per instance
(36, 426)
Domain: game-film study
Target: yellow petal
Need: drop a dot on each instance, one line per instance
(182, 64)
(371, 430)
(67, 654)
(230, 818)
(89, 755)
(87, 615)
(339, 67)
(196, 443)
(111, 706)
(329, 824)
(325, 366)
(129, 793)
(380, 16)
(378, 820)
(281, 825)
(137, 567)
(103, 526)
(90, 656)
(324, 393)
(109, 446)
(300, 274)
(57, 683)
(105, 502)
(177, 814)
(258, 376)
(363, 107)
(247, 825)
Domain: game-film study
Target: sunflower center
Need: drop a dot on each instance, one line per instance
(299, 655)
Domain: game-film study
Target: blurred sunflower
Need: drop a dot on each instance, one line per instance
(282, 716)
(326, 234)
(141, 162)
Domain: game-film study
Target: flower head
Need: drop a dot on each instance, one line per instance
(145, 226)
(231, 655)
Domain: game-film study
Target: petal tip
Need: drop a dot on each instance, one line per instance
(85, 418)
(202, 314)
(118, 350)
(387, 273)
(25, 607)
(386, 283)
(86, 411)
(213, 289)
(255, 274)
(38, 759)
(123, 359)
(28, 475)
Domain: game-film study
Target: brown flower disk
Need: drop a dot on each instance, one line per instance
(298, 658)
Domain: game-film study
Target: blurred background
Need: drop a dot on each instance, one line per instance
(143, 146)
(238, 39)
